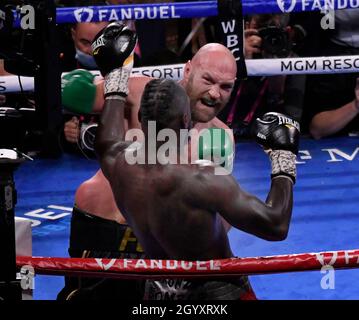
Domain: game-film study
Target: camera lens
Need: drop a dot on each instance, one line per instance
(275, 42)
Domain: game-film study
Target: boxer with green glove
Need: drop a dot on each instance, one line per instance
(90, 234)
(78, 91)
(216, 144)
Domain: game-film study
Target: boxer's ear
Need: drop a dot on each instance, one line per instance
(187, 70)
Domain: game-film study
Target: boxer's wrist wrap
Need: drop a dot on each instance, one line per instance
(283, 164)
(116, 83)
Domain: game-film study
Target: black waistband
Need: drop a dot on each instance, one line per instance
(105, 237)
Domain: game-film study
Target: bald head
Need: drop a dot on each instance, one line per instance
(209, 79)
(215, 51)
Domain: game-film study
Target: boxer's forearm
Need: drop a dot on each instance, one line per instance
(268, 220)
(280, 201)
(111, 129)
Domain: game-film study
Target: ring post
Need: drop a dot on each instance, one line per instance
(47, 76)
(9, 287)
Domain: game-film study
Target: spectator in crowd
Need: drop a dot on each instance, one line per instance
(79, 57)
(79, 130)
(332, 100)
(266, 36)
(150, 50)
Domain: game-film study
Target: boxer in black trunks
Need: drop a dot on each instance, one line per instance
(108, 239)
(176, 209)
(205, 82)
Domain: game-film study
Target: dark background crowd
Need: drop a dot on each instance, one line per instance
(325, 105)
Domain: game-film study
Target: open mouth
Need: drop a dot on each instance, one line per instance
(208, 103)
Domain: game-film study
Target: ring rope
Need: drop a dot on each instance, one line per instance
(132, 12)
(189, 10)
(143, 268)
(255, 67)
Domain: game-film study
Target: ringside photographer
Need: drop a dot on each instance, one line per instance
(267, 36)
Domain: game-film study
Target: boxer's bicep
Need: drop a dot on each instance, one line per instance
(245, 211)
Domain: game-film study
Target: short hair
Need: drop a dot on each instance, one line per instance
(159, 102)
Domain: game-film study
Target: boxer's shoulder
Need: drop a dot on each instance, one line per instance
(138, 83)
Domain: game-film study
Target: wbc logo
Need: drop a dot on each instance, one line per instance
(284, 8)
(80, 14)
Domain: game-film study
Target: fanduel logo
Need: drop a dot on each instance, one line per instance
(282, 5)
(80, 15)
(105, 266)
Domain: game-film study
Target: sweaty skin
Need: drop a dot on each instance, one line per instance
(208, 80)
(172, 208)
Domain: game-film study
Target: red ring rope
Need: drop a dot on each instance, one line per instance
(139, 268)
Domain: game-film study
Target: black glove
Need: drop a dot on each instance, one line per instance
(279, 135)
(113, 49)
(112, 46)
(277, 132)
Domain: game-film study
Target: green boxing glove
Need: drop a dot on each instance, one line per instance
(215, 144)
(78, 91)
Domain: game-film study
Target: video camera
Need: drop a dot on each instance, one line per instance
(32, 52)
(18, 53)
(275, 42)
(16, 119)
(279, 42)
